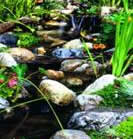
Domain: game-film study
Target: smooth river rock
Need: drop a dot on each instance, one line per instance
(77, 44)
(100, 83)
(22, 54)
(6, 60)
(57, 92)
(86, 102)
(98, 119)
(8, 39)
(70, 134)
(68, 53)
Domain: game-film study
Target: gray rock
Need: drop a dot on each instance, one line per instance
(68, 53)
(100, 83)
(3, 103)
(6, 60)
(57, 92)
(70, 134)
(98, 119)
(70, 65)
(86, 102)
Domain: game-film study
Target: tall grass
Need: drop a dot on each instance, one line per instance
(113, 3)
(122, 58)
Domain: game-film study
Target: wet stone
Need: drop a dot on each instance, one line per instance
(68, 53)
(8, 39)
(98, 119)
(70, 134)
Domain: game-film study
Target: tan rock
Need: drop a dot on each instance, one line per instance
(22, 54)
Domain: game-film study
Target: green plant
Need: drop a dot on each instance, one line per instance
(119, 94)
(110, 2)
(124, 129)
(27, 40)
(14, 9)
(91, 58)
(121, 58)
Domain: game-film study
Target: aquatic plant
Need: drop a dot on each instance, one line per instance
(122, 58)
(14, 9)
(124, 129)
(119, 94)
(27, 40)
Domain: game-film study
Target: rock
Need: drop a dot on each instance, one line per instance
(68, 53)
(52, 33)
(76, 44)
(6, 26)
(129, 77)
(56, 75)
(81, 66)
(57, 92)
(106, 10)
(98, 119)
(2, 46)
(40, 51)
(73, 81)
(100, 83)
(71, 65)
(86, 102)
(3, 103)
(53, 23)
(6, 60)
(22, 54)
(8, 39)
(70, 134)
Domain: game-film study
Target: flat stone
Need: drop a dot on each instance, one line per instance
(97, 119)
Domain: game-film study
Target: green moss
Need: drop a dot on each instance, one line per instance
(125, 129)
(120, 94)
(27, 40)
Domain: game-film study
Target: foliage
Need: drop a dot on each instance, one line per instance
(14, 9)
(124, 129)
(110, 2)
(107, 32)
(119, 94)
(48, 7)
(121, 58)
(27, 40)
(42, 70)
(10, 81)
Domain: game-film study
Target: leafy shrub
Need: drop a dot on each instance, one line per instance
(27, 40)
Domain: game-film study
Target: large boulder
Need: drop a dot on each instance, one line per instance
(57, 92)
(70, 134)
(6, 60)
(100, 83)
(98, 119)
